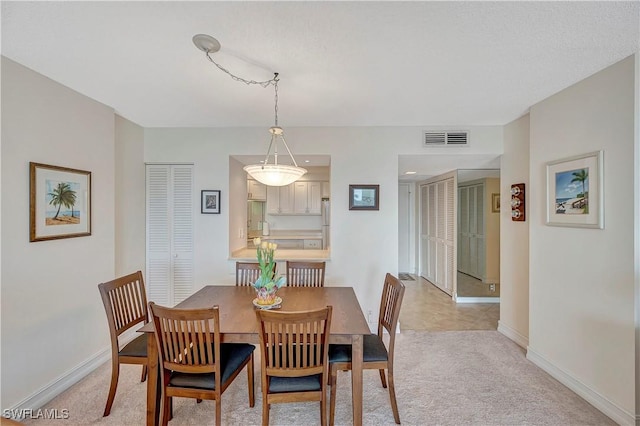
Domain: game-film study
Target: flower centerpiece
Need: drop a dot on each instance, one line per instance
(267, 284)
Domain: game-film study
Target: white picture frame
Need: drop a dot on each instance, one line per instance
(575, 191)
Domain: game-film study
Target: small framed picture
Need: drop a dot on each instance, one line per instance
(364, 197)
(59, 202)
(575, 191)
(210, 202)
(495, 203)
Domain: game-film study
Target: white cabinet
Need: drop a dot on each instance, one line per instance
(307, 198)
(169, 233)
(256, 190)
(313, 244)
(299, 198)
(280, 199)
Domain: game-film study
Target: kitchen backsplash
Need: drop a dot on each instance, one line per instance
(293, 222)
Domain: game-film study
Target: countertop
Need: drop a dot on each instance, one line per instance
(292, 234)
(249, 255)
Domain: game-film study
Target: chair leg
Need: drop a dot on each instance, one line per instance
(251, 384)
(392, 396)
(165, 413)
(382, 378)
(323, 410)
(218, 410)
(115, 373)
(144, 373)
(265, 410)
(332, 398)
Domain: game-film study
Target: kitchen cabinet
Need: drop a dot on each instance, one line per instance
(280, 200)
(256, 190)
(307, 198)
(299, 198)
(312, 244)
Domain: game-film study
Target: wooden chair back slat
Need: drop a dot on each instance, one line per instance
(392, 295)
(294, 344)
(248, 272)
(125, 302)
(184, 338)
(305, 274)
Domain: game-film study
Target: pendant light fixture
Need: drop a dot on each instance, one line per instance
(273, 174)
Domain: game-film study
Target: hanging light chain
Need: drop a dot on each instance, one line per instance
(265, 83)
(275, 84)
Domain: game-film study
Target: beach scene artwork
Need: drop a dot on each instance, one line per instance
(60, 201)
(572, 192)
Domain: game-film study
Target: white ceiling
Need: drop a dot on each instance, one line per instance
(340, 63)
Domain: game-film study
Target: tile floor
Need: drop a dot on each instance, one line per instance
(425, 307)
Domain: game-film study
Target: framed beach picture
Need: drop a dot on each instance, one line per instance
(364, 197)
(59, 202)
(575, 191)
(210, 202)
(495, 203)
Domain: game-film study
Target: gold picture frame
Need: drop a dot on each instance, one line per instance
(495, 203)
(59, 202)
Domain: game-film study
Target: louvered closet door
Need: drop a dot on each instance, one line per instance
(169, 193)
(437, 216)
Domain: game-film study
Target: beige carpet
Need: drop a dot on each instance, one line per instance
(442, 378)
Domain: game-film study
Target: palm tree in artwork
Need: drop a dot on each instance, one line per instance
(63, 195)
(581, 176)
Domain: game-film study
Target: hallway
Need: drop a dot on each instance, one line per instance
(425, 307)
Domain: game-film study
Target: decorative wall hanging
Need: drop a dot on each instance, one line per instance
(575, 191)
(517, 202)
(59, 202)
(210, 201)
(364, 197)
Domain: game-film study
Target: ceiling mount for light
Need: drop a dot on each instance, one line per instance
(269, 174)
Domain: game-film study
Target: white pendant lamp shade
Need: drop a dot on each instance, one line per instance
(275, 174)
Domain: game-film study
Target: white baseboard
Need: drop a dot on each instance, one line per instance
(512, 334)
(607, 407)
(54, 388)
(460, 299)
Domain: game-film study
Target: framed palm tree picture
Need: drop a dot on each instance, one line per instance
(59, 202)
(575, 191)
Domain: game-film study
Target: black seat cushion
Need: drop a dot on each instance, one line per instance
(373, 350)
(233, 356)
(136, 347)
(295, 384)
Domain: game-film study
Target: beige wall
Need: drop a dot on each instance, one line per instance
(514, 236)
(53, 323)
(492, 232)
(130, 219)
(582, 280)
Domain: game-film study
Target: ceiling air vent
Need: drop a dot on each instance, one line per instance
(458, 138)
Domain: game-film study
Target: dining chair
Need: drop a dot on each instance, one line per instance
(125, 303)
(305, 274)
(294, 364)
(248, 272)
(375, 354)
(193, 362)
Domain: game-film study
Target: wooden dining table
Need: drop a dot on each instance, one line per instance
(238, 323)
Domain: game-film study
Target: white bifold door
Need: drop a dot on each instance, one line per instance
(169, 242)
(437, 216)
